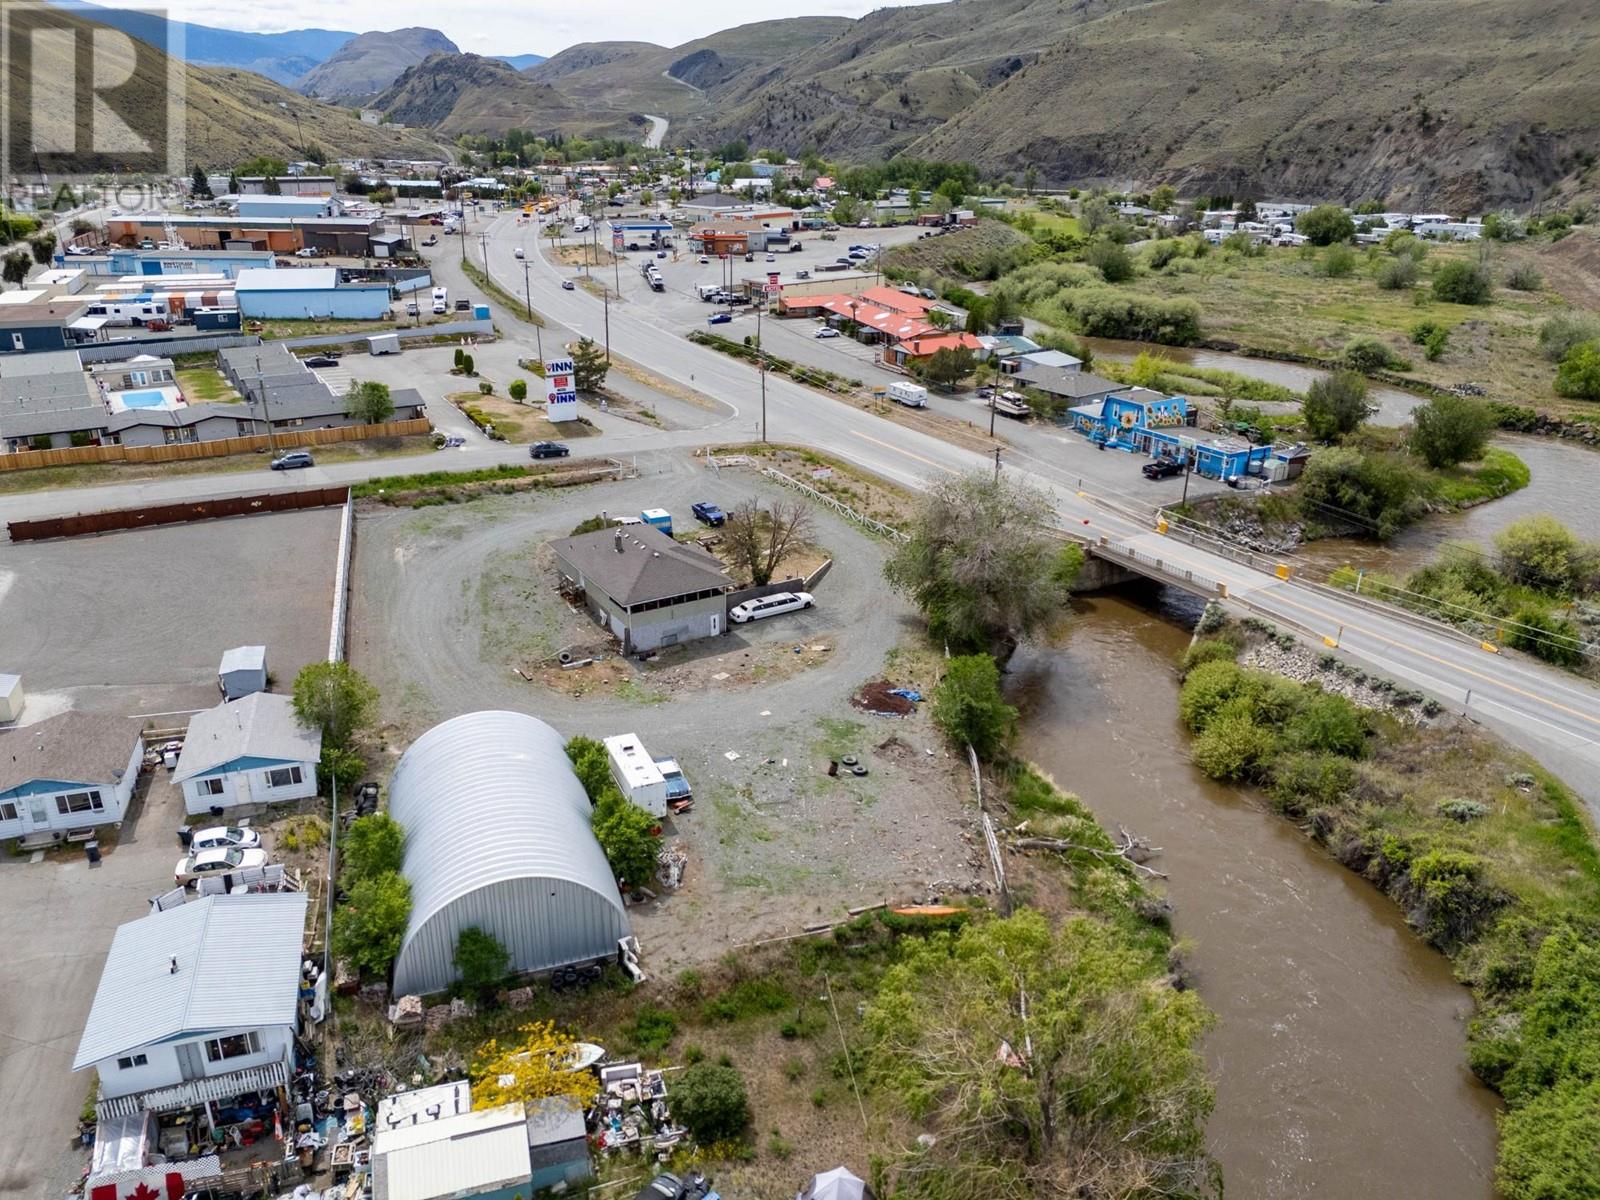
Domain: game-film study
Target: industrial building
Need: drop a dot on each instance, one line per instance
(308, 293)
(288, 206)
(279, 234)
(645, 588)
(120, 261)
(497, 836)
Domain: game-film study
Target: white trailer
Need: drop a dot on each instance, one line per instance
(912, 395)
(383, 343)
(636, 773)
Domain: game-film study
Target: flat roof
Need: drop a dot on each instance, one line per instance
(288, 279)
(629, 756)
(471, 1154)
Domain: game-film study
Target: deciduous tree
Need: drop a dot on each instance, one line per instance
(1326, 224)
(1336, 404)
(968, 706)
(335, 698)
(532, 1067)
(373, 845)
(759, 537)
(1451, 429)
(371, 923)
(1048, 1063)
(370, 402)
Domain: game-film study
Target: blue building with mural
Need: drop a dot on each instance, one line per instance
(1143, 421)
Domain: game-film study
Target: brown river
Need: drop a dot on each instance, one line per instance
(1339, 1055)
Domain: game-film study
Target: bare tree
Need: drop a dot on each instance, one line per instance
(761, 537)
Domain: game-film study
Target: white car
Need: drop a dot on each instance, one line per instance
(518, 252)
(305, 252)
(224, 836)
(769, 606)
(704, 260)
(827, 331)
(203, 864)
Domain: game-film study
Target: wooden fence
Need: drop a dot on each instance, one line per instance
(286, 439)
(175, 514)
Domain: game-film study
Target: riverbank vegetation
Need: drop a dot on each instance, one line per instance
(1537, 589)
(1051, 1052)
(1492, 859)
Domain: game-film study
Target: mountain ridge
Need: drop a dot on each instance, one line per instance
(370, 62)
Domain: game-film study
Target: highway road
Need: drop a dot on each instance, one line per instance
(1551, 714)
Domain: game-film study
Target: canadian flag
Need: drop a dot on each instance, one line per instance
(172, 1181)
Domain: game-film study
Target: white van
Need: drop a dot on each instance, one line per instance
(770, 606)
(912, 395)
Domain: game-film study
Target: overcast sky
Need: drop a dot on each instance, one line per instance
(517, 26)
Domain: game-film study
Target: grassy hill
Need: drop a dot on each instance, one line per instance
(1416, 102)
(365, 65)
(452, 94)
(230, 114)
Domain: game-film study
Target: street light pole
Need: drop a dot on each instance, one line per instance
(761, 366)
(991, 412)
(605, 296)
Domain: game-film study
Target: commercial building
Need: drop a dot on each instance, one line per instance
(31, 324)
(308, 293)
(498, 837)
(288, 206)
(288, 185)
(643, 587)
(279, 234)
(198, 1005)
(120, 262)
(1128, 417)
(245, 752)
(67, 773)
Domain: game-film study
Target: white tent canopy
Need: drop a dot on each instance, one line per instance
(837, 1184)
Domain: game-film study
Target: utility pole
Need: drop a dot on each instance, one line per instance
(991, 413)
(761, 366)
(1188, 469)
(605, 296)
(527, 296)
(997, 464)
(483, 249)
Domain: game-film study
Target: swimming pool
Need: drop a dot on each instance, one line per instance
(154, 398)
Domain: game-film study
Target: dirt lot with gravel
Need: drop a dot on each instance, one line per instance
(455, 610)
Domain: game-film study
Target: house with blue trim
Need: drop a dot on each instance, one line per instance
(66, 774)
(1140, 420)
(244, 752)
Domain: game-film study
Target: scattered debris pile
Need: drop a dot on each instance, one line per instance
(884, 699)
(631, 1112)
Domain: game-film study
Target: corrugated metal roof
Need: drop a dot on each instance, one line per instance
(260, 725)
(238, 968)
(497, 835)
(471, 1154)
(288, 279)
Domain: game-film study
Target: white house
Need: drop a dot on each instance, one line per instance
(197, 1004)
(248, 751)
(67, 773)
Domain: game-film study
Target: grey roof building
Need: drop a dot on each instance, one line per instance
(646, 589)
(261, 726)
(74, 747)
(497, 836)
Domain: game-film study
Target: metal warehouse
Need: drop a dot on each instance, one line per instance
(497, 836)
(309, 292)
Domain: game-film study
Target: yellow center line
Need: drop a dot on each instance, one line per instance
(1444, 662)
(898, 450)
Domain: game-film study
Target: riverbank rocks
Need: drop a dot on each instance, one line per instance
(1295, 661)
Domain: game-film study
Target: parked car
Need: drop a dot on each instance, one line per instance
(929, 294)
(709, 513)
(694, 1186)
(827, 331)
(431, 240)
(548, 450)
(453, 443)
(567, 285)
(749, 257)
(704, 260)
(719, 319)
(411, 308)
(769, 606)
(224, 836)
(322, 360)
(203, 864)
(305, 252)
(293, 461)
(863, 224)
(802, 274)
(1162, 468)
(661, 253)
(772, 258)
(518, 252)
(463, 305)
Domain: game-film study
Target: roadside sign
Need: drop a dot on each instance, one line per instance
(561, 392)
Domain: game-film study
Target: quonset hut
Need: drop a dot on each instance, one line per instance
(497, 836)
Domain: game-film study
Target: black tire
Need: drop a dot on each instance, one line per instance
(849, 760)
(858, 770)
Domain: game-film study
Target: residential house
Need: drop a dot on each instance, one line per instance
(42, 324)
(198, 1005)
(648, 590)
(906, 352)
(248, 751)
(67, 774)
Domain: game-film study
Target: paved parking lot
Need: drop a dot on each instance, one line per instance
(57, 918)
(135, 622)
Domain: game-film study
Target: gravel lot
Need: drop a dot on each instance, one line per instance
(449, 600)
(136, 622)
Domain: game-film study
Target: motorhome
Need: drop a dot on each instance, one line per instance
(441, 301)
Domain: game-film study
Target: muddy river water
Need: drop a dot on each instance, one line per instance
(1339, 1053)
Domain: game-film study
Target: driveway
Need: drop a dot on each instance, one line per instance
(57, 918)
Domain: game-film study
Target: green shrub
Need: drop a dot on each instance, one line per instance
(1450, 429)
(968, 705)
(1335, 405)
(1328, 723)
(711, 1101)
(1563, 331)
(481, 962)
(1452, 898)
(1382, 492)
(1397, 274)
(652, 1029)
(1524, 279)
(1578, 376)
(748, 998)
(1462, 282)
(1208, 650)
(1110, 259)
(1338, 261)
(518, 390)
(369, 926)
(1542, 553)
(1367, 354)
(373, 845)
(485, 388)
(1326, 224)
(1545, 636)
(1304, 780)
(1233, 747)
(1208, 687)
